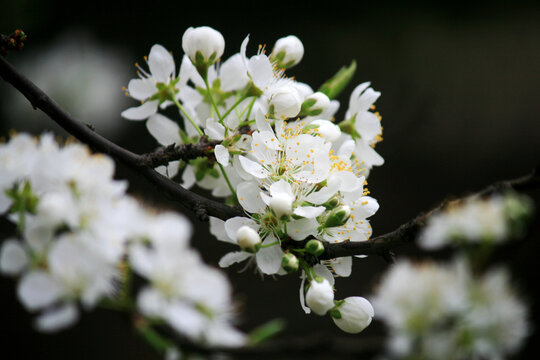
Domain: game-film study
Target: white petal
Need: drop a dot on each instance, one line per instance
(342, 266)
(323, 271)
(253, 168)
(13, 258)
(161, 63)
(301, 229)
(141, 112)
(38, 289)
(306, 309)
(249, 196)
(346, 149)
(222, 155)
(188, 177)
(365, 207)
(261, 70)
(281, 187)
(164, 130)
(233, 258)
(185, 319)
(368, 126)
(263, 124)
(141, 89)
(269, 259)
(58, 318)
(233, 74)
(214, 129)
(309, 211)
(217, 228)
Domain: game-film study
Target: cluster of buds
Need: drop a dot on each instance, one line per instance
(14, 41)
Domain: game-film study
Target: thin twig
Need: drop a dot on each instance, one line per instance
(406, 233)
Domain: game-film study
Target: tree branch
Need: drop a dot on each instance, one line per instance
(185, 152)
(406, 233)
(39, 100)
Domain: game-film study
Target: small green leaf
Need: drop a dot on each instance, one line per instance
(266, 331)
(337, 83)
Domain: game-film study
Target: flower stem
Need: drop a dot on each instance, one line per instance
(234, 106)
(227, 180)
(268, 245)
(205, 78)
(155, 340)
(175, 100)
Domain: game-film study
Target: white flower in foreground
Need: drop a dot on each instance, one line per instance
(288, 51)
(153, 88)
(320, 296)
(203, 45)
(13, 257)
(355, 314)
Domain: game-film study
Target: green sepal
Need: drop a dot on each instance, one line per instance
(339, 81)
(335, 313)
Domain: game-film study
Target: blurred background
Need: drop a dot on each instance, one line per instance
(460, 104)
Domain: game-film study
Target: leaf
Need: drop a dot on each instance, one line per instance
(266, 331)
(339, 81)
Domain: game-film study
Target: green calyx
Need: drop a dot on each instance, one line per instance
(333, 87)
(289, 263)
(165, 91)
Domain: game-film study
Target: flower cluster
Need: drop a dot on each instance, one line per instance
(299, 177)
(81, 237)
(444, 312)
(491, 220)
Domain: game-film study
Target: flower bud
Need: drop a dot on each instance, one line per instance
(248, 239)
(353, 315)
(338, 216)
(314, 247)
(328, 130)
(203, 45)
(289, 263)
(285, 102)
(320, 296)
(315, 104)
(331, 203)
(287, 52)
(281, 203)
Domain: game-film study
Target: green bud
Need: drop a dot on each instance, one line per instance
(314, 247)
(289, 263)
(332, 203)
(519, 210)
(338, 216)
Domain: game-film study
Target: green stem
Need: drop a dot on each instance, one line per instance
(175, 100)
(154, 339)
(268, 245)
(250, 107)
(227, 180)
(205, 78)
(306, 268)
(234, 106)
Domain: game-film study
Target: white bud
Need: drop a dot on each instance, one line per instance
(320, 296)
(288, 51)
(281, 203)
(204, 40)
(248, 239)
(356, 314)
(285, 102)
(328, 130)
(316, 103)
